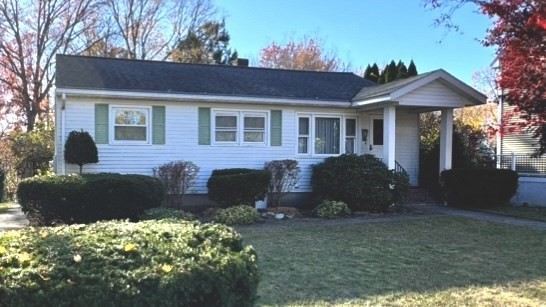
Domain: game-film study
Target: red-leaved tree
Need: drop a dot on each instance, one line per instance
(519, 33)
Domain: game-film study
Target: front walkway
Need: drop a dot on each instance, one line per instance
(13, 218)
(488, 217)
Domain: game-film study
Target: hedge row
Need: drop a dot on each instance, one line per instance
(238, 186)
(478, 188)
(116, 263)
(69, 199)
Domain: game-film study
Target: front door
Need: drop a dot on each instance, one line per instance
(376, 136)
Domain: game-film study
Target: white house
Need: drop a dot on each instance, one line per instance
(146, 113)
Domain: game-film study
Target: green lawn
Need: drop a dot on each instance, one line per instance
(530, 213)
(429, 261)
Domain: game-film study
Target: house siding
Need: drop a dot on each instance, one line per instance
(182, 133)
(519, 142)
(434, 94)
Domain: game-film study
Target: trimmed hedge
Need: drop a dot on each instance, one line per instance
(362, 182)
(151, 263)
(69, 199)
(236, 186)
(237, 215)
(478, 188)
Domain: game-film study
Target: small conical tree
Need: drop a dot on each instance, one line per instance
(412, 69)
(390, 72)
(80, 149)
(368, 72)
(402, 72)
(375, 72)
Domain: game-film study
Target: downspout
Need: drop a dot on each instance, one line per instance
(63, 106)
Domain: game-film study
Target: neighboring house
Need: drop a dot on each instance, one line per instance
(145, 113)
(516, 147)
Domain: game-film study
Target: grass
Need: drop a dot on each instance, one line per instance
(429, 261)
(530, 213)
(4, 207)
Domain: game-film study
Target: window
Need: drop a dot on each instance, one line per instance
(247, 128)
(322, 135)
(303, 135)
(377, 132)
(350, 135)
(226, 127)
(131, 125)
(327, 135)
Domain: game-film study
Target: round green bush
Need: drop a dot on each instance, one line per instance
(332, 209)
(238, 215)
(166, 213)
(150, 263)
(234, 186)
(364, 183)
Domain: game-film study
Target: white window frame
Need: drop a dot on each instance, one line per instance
(312, 133)
(240, 129)
(345, 136)
(112, 124)
(308, 135)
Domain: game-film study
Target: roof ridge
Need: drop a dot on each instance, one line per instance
(207, 65)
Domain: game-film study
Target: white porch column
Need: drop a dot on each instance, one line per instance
(389, 133)
(446, 139)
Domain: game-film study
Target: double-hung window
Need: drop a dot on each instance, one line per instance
(240, 127)
(323, 135)
(131, 125)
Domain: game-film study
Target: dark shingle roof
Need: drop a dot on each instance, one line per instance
(167, 77)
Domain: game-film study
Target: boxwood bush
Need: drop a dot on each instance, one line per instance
(332, 209)
(68, 199)
(235, 186)
(362, 182)
(166, 213)
(479, 188)
(237, 215)
(150, 263)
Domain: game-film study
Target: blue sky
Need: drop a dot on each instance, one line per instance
(363, 31)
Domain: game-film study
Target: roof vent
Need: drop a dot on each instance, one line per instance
(242, 62)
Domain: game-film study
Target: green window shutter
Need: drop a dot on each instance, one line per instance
(204, 126)
(276, 128)
(101, 123)
(158, 125)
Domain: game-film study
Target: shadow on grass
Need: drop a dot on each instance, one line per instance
(363, 261)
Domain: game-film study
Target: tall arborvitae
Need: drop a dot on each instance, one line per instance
(368, 72)
(390, 72)
(412, 69)
(381, 78)
(402, 71)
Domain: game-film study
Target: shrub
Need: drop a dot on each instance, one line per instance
(332, 209)
(362, 182)
(481, 188)
(166, 213)
(87, 198)
(237, 215)
(177, 176)
(234, 186)
(284, 176)
(150, 263)
(80, 149)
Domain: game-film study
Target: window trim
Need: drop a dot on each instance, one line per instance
(112, 125)
(312, 133)
(345, 136)
(240, 129)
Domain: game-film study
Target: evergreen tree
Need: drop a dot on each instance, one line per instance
(375, 72)
(382, 77)
(207, 45)
(368, 72)
(402, 71)
(80, 149)
(390, 72)
(412, 69)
